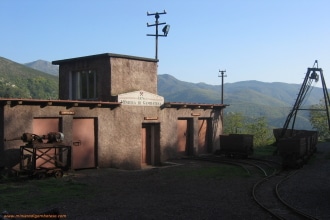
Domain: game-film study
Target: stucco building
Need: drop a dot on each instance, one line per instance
(110, 113)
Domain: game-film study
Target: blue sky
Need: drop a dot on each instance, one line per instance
(264, 40)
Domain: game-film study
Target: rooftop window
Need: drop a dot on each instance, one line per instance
(84, 85)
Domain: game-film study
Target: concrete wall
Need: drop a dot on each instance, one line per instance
(129, 75)
(169, 117)
(115, 75)
(118, 143)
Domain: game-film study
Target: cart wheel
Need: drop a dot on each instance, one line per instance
(58, 174)
(40, 175)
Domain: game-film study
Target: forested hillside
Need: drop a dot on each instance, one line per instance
(253, 98)
(20, 81)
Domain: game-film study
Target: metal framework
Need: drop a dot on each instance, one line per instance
(53, 159)
(313, 74)
(51, 154)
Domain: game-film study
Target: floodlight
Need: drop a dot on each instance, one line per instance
(166, 29)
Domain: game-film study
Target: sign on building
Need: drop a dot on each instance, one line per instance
(140, 98)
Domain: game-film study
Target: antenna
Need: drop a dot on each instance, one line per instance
(165, 29)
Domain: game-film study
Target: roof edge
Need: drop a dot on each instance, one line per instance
(194, 105)
(58, 62)
(68, 103)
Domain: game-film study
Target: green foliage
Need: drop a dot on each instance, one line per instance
(41, 88)
(19, 81)
(262, 134)
(258, 127)
(319, 120)
(233, 122)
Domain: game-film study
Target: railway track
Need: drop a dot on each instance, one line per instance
(267, 167)
(251, 166)
(266, 194)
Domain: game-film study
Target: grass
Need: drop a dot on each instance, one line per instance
(264, 150)
(36, 194)
(214, 172)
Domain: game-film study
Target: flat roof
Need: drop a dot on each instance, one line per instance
(58, 62)
(100, 104)
(67, 103)
(194, 105)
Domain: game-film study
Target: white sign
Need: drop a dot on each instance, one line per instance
(140, 98)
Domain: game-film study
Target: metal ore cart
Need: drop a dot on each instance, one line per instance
(39, 159)
(236, 145)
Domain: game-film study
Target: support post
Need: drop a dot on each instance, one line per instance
(222, 72)
(165, 29)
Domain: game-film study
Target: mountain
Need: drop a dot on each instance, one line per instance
(44, 66)
(20, 81)
(251, 98)
(256, 92)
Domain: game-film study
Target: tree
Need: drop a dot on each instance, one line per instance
(262, 134)
(258, 127)
(233, 121)
(319, 120)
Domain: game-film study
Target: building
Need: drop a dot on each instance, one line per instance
(111, 115)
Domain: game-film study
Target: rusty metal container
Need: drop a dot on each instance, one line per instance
(293, 145)
(236, 145)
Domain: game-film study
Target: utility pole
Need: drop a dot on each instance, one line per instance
(165, 29)
(221, 74)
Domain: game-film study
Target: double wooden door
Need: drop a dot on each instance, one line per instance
(83, 140)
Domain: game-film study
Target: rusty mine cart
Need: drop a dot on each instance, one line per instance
(40, 159)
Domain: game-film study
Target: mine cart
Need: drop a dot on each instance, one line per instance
(234, 145)
(296, 150)
(39, 159)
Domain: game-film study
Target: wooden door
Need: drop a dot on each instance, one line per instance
(42, 126)
(146, 145)
(83, 138)
(203, 135)
(183, 136)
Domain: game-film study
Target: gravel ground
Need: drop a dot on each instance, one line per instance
(166, 193)
(173, 193)
(309, 189)
(182, 191)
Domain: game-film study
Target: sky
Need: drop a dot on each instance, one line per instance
(264, 40)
